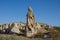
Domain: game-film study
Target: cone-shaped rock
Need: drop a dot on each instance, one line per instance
(30, 9)
(31, 24)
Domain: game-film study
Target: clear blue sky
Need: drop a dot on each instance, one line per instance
(46, 11)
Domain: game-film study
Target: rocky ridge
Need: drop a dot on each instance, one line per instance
(29, 29)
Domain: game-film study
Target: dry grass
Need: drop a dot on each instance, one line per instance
(55, 36)
(12, 37)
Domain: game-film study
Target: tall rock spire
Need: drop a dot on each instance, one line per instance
(30, 17)
(31, 24)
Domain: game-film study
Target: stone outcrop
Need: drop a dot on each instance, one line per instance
(31, 23)
(29, 29)
(15, 28)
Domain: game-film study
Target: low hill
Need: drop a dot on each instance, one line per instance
(55, 35)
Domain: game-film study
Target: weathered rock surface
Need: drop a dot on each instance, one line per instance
(15, 28)
(30, 28)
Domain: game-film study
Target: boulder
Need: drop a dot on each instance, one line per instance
(15, 28)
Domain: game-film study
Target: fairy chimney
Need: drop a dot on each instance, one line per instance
(31, 23)
(30, 17)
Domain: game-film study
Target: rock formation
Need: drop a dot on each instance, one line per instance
(31, 23)
(30, 28)
(15, 28)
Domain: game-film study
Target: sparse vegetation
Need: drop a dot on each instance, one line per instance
(38, 35)
(12, 37)
(55, 35)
